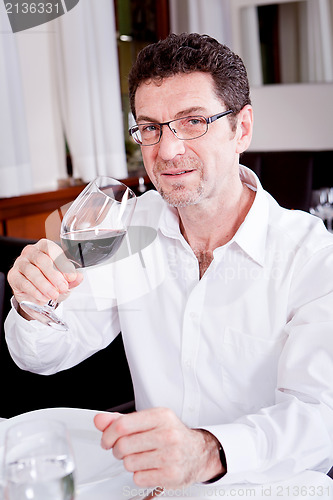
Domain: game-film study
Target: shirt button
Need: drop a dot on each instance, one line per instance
(187, 363)
(194, 315)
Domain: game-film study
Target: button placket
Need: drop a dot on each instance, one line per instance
(190, 345)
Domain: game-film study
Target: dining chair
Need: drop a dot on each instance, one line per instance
(2, 297)
(273, 168)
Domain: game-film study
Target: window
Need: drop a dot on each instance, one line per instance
(139, 22)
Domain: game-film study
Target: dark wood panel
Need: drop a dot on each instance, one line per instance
(25, 216)
(30, 204)
(31, 226)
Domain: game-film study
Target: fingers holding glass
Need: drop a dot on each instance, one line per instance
(91, 232)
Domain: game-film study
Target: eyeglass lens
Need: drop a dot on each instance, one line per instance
(190, 127)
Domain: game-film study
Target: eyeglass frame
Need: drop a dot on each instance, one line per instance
(208, 120)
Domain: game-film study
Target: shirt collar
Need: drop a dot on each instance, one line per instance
(169, 222)
(251, 235)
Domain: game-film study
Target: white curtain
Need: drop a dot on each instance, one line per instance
(214, 17)
(210, 17)
(306, 41)
(249, 26)
(87, 74)
(318, 44)
(15, 171)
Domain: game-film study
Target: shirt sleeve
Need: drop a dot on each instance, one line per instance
(35, 347)
(295, 433)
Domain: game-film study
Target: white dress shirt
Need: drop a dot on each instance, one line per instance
(245, 352)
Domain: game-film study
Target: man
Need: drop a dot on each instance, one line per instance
(228, 326)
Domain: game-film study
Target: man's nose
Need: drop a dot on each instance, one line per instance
(169, 145)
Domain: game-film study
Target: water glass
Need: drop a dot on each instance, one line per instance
(38, 462)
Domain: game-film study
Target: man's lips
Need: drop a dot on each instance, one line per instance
(177, 173)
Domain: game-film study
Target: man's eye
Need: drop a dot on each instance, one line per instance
(148, 128)
(193, 122)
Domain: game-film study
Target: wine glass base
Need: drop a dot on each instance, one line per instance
(44, 314)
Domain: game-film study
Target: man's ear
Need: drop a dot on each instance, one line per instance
(244, 129)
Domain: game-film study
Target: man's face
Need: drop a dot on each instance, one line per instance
(193, 171)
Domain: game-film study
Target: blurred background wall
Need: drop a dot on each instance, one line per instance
(63, 85)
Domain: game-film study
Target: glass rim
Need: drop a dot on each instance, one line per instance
(115, 181)
(42, 422)
(132, 195)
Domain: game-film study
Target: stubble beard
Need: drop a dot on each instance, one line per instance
(179, 195)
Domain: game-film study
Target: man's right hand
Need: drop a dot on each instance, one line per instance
(42, 273)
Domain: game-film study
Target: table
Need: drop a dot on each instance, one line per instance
(308, 485)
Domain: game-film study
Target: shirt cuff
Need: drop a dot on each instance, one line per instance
(238, 444)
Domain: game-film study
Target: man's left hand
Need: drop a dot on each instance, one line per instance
(159, 449)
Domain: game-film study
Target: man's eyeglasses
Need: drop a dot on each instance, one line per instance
(185, 129)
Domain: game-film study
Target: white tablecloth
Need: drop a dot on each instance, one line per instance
(308, 485)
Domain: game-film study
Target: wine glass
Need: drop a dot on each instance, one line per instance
(322, 206)
(38, 461)
(91, 233)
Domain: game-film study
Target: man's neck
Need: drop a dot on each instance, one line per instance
(206, 227)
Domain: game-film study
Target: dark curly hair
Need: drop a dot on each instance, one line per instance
(191, 52)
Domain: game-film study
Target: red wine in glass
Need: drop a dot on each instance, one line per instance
(90, 247)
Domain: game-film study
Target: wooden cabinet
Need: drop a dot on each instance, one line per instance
(25, 216)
